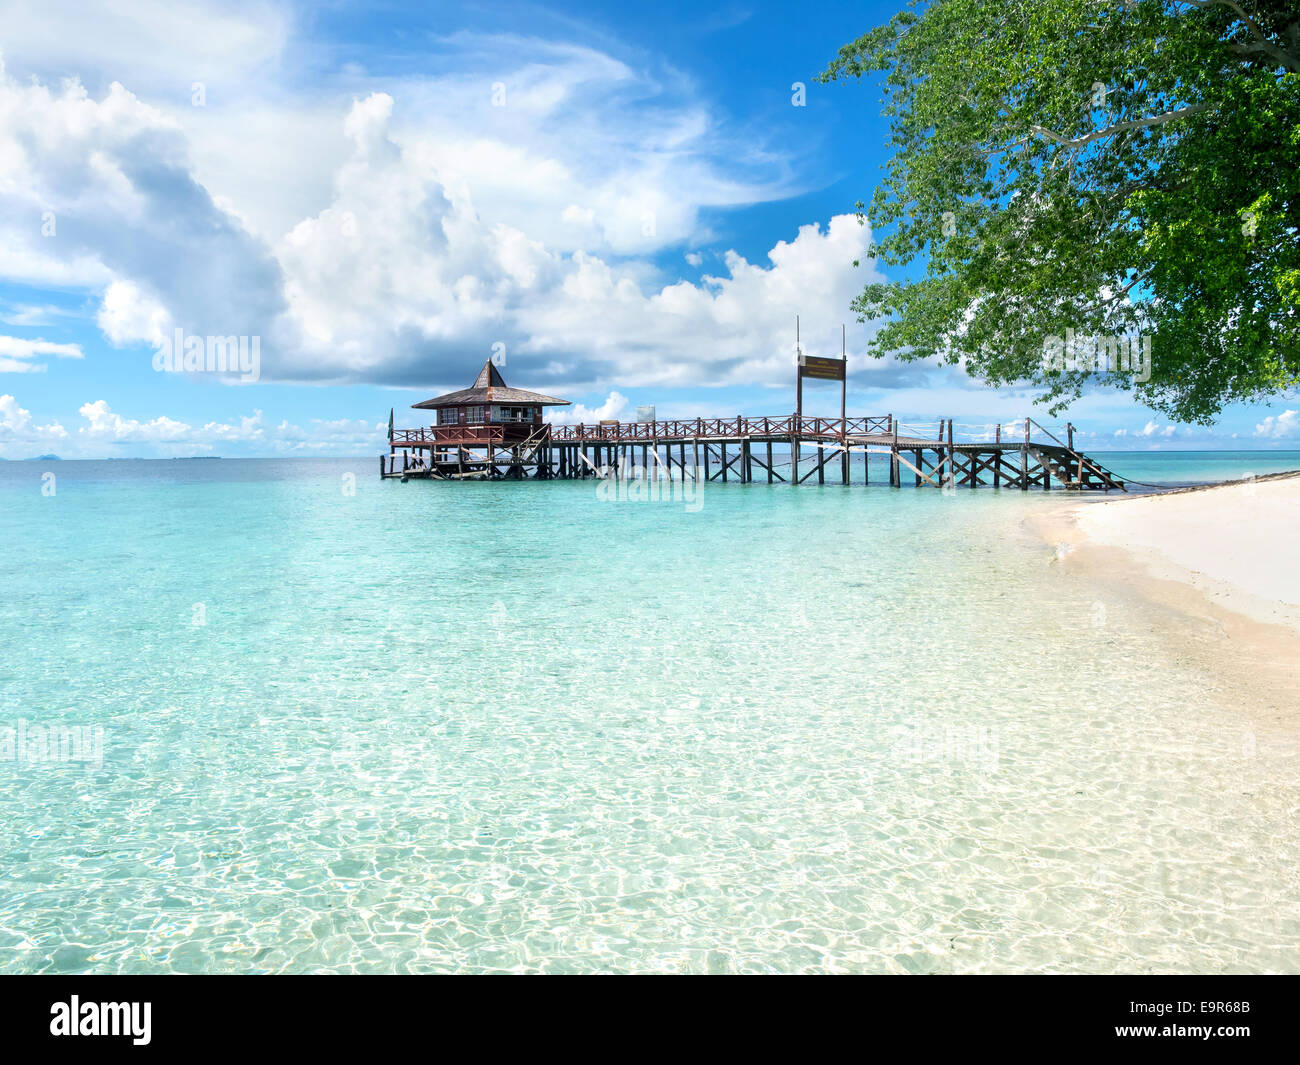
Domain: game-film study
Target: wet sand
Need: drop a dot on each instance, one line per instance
(1215, 572)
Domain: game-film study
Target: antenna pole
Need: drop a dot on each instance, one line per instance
(798, 375)
(844, 381)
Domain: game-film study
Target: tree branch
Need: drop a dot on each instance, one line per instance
(1249, 48)
(1264, 45)
(1152, 120)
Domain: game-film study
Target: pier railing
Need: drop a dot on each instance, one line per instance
(450, 434)
(722, 428)
(883, 427)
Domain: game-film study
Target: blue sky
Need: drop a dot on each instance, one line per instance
(622, 200)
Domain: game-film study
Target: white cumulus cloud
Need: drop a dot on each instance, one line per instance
(18, 429)
(103, 424)
(433, 227)
(1281, 426)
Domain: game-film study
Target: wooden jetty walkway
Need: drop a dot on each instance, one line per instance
(742, 449)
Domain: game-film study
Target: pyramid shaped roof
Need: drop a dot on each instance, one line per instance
(490, 387)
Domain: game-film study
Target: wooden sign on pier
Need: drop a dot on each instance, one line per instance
(821, 368)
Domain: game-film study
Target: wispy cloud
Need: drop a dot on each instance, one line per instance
(16, 354)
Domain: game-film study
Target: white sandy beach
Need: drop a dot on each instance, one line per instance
(1234, 543)
(1214, 570)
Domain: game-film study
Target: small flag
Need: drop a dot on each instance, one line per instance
(390, 425)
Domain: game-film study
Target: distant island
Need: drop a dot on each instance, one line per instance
(46, 458)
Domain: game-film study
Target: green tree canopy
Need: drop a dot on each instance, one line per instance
(1111, 167)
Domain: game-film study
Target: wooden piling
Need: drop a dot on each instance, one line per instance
(894, 480)
(997, 457)
(1024, 460)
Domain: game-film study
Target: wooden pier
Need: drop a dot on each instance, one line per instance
(789, 449)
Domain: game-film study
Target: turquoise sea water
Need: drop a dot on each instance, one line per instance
(360, 726)
(1177, 468)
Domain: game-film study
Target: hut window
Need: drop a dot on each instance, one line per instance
(474, 415)
(448, 415)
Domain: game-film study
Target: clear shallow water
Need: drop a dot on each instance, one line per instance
(1196, 467)
(514, 726)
